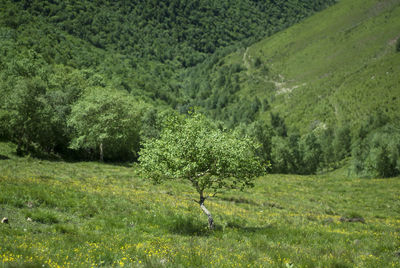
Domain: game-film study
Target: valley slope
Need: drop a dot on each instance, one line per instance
(336, 67)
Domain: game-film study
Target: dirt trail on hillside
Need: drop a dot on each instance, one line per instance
(246, 62)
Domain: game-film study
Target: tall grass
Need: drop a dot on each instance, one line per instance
(91, 214)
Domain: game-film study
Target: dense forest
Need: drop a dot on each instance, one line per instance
(94, 79)
(142, 46)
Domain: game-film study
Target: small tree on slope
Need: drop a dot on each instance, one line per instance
(210, 159)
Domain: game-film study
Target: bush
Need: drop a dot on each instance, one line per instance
(257, 62)
(398, 45)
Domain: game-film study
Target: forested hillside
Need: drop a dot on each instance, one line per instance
(142, 45)
(318, 94)
(337, 66)
(55, 54)
(94, 79)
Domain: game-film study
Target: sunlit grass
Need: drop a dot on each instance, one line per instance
(90, 214)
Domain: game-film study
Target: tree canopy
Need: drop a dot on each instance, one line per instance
(107, 122)
(193, 149)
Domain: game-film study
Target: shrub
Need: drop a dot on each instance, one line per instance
(257, 62)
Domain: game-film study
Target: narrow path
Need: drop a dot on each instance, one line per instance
(246, 62)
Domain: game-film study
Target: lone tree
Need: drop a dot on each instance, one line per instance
(211, 160)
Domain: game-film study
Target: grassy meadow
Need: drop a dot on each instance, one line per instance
(88, 214)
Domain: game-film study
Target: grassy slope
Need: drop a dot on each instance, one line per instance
(96, 214)
(336, 66)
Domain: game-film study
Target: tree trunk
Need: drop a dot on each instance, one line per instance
(205, 210)
(101, 152)
(19, 148)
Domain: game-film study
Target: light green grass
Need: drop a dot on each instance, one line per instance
(91, 214)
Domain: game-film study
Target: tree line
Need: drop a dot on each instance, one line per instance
(372, 150)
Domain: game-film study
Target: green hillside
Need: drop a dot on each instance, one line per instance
(53, 53)
(140, 46)
(338, 66)
(315, 95)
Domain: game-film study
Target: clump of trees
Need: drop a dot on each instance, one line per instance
(287, 151)
(378, 155)
(35, 101)
(193, 149)
(108, 122)
(47, 111)
(376, 152)
(374, 149)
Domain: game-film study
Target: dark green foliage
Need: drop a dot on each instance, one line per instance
(342, 143)
(29, 115)
(257, 62)
(265, 105)
(328, 153)
(278, 125)
(165, 54)
(290, 153)
(296, 154)
(378, 154)
(311, 154)
(280, 155)
(286, 155)
(398, 45)
(262, 133)
(36, 101)
(4, 128)
(197, 27)
(150, 125)
(168, 35)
